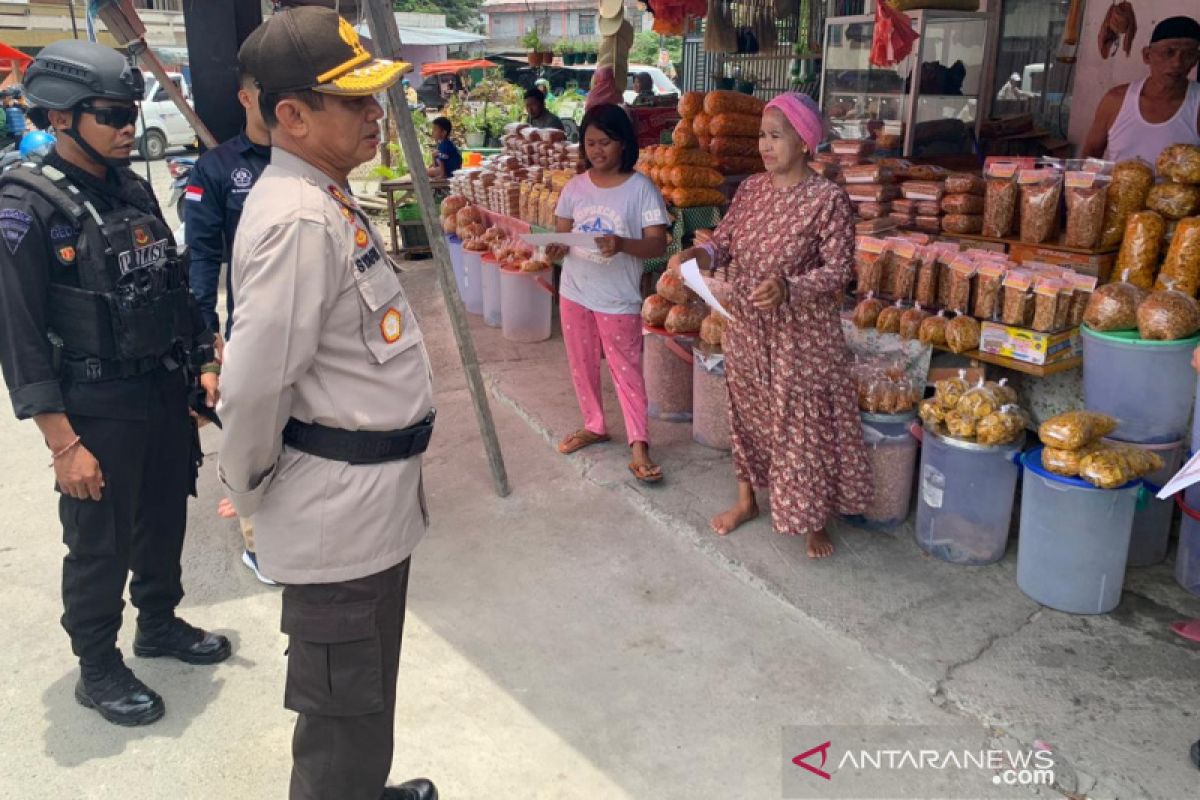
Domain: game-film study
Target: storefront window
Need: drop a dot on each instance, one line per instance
(1028, 78)
(587, 24)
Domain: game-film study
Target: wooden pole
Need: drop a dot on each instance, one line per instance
(387, 38)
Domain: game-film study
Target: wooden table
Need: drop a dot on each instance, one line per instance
(403, 188)
(1038, 371)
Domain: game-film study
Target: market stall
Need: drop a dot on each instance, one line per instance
(1024, 269)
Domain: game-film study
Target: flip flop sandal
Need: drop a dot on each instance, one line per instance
(646, 473)
(580, 439)
(1188, 629)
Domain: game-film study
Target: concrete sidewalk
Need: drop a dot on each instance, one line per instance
(1116, 694)
(559, 644)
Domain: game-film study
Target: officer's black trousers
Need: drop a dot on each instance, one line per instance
(343, 661)
(137, 525)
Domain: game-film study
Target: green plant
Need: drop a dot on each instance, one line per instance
(531, 41)
(562, 47)
(647, 44)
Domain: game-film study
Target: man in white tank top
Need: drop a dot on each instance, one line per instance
(1139, 119)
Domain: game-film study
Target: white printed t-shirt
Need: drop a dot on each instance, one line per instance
(608, 285)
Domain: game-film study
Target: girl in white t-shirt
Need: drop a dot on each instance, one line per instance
(600, 293)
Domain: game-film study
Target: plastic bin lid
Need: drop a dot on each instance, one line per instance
(1033, 462)
(1133, 338)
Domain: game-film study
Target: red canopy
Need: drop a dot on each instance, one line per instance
(11, 58)
(452, 67)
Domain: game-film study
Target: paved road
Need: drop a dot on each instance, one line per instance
(560, 644)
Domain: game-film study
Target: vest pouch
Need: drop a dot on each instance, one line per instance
(82, 320)
(141, 330)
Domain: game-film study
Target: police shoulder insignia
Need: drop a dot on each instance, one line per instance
(347, 213)
(14, 224)
(340, 196)
(392, 326)
(66, 254)
(361, 238)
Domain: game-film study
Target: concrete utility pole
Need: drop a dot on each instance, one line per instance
(387, 41)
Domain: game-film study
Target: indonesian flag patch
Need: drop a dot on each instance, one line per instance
(194, 193)
(392, 326)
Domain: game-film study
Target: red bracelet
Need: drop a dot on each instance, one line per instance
(56, 456)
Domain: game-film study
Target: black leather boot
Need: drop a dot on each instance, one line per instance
(177, 639)
(117, 694)
(416, 789)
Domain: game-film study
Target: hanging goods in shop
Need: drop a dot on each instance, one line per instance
(893, 38)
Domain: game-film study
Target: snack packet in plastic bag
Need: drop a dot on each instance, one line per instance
(1072, 430)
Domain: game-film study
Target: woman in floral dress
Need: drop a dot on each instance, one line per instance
(787, 244)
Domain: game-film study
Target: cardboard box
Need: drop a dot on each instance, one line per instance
(652, 122)
(1032, 347)
(1095, 264)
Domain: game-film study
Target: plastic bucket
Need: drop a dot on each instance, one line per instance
(965, 499)
(667, 366)
(454, 245)
(892, 451)
(472, 282)
(710, 400)
(1148, 386)
(1195, 425)
(1187, 557)
(527, 305)
(491, 291)
(1074, 540)
(1151, 536)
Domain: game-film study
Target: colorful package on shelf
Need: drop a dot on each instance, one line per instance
(1031, 347)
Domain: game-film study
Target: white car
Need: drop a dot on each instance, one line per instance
(161, 125)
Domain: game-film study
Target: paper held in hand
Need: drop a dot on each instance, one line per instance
(1187, 476)
(690, 271)
(587, 240)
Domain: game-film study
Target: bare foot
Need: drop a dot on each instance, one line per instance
(225, 509)
(819, 544)
(728, 521)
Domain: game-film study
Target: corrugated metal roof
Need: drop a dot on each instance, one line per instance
(421, 35)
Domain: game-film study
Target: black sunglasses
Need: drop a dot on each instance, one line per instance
(114, 117)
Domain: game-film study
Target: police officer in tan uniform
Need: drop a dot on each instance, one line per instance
(328, 404)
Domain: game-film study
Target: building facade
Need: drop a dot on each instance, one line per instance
(578, 20)
(30, 25)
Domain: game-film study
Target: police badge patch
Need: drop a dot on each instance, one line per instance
(14, 224)
(242, 178)
(392, 326)
(361, 238)
(66, 255)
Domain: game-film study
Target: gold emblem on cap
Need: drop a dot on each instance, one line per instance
(361, 56)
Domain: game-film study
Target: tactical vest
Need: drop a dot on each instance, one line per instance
(132, 301)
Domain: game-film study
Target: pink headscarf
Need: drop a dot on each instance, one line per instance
(802, 112)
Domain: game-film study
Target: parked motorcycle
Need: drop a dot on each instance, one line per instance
(180, 169)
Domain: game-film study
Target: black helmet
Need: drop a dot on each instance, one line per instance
(69, 71)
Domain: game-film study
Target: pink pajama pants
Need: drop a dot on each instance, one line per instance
(585, 332)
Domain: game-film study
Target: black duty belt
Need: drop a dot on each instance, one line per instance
(90, 370)
(359, 447)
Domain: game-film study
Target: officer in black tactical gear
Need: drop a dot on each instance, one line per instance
(98, 337)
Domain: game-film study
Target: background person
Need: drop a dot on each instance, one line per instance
(787, 243)
(535, 109)
(216, 192)
(447, 159)
(1140, 119)
(600, 292)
